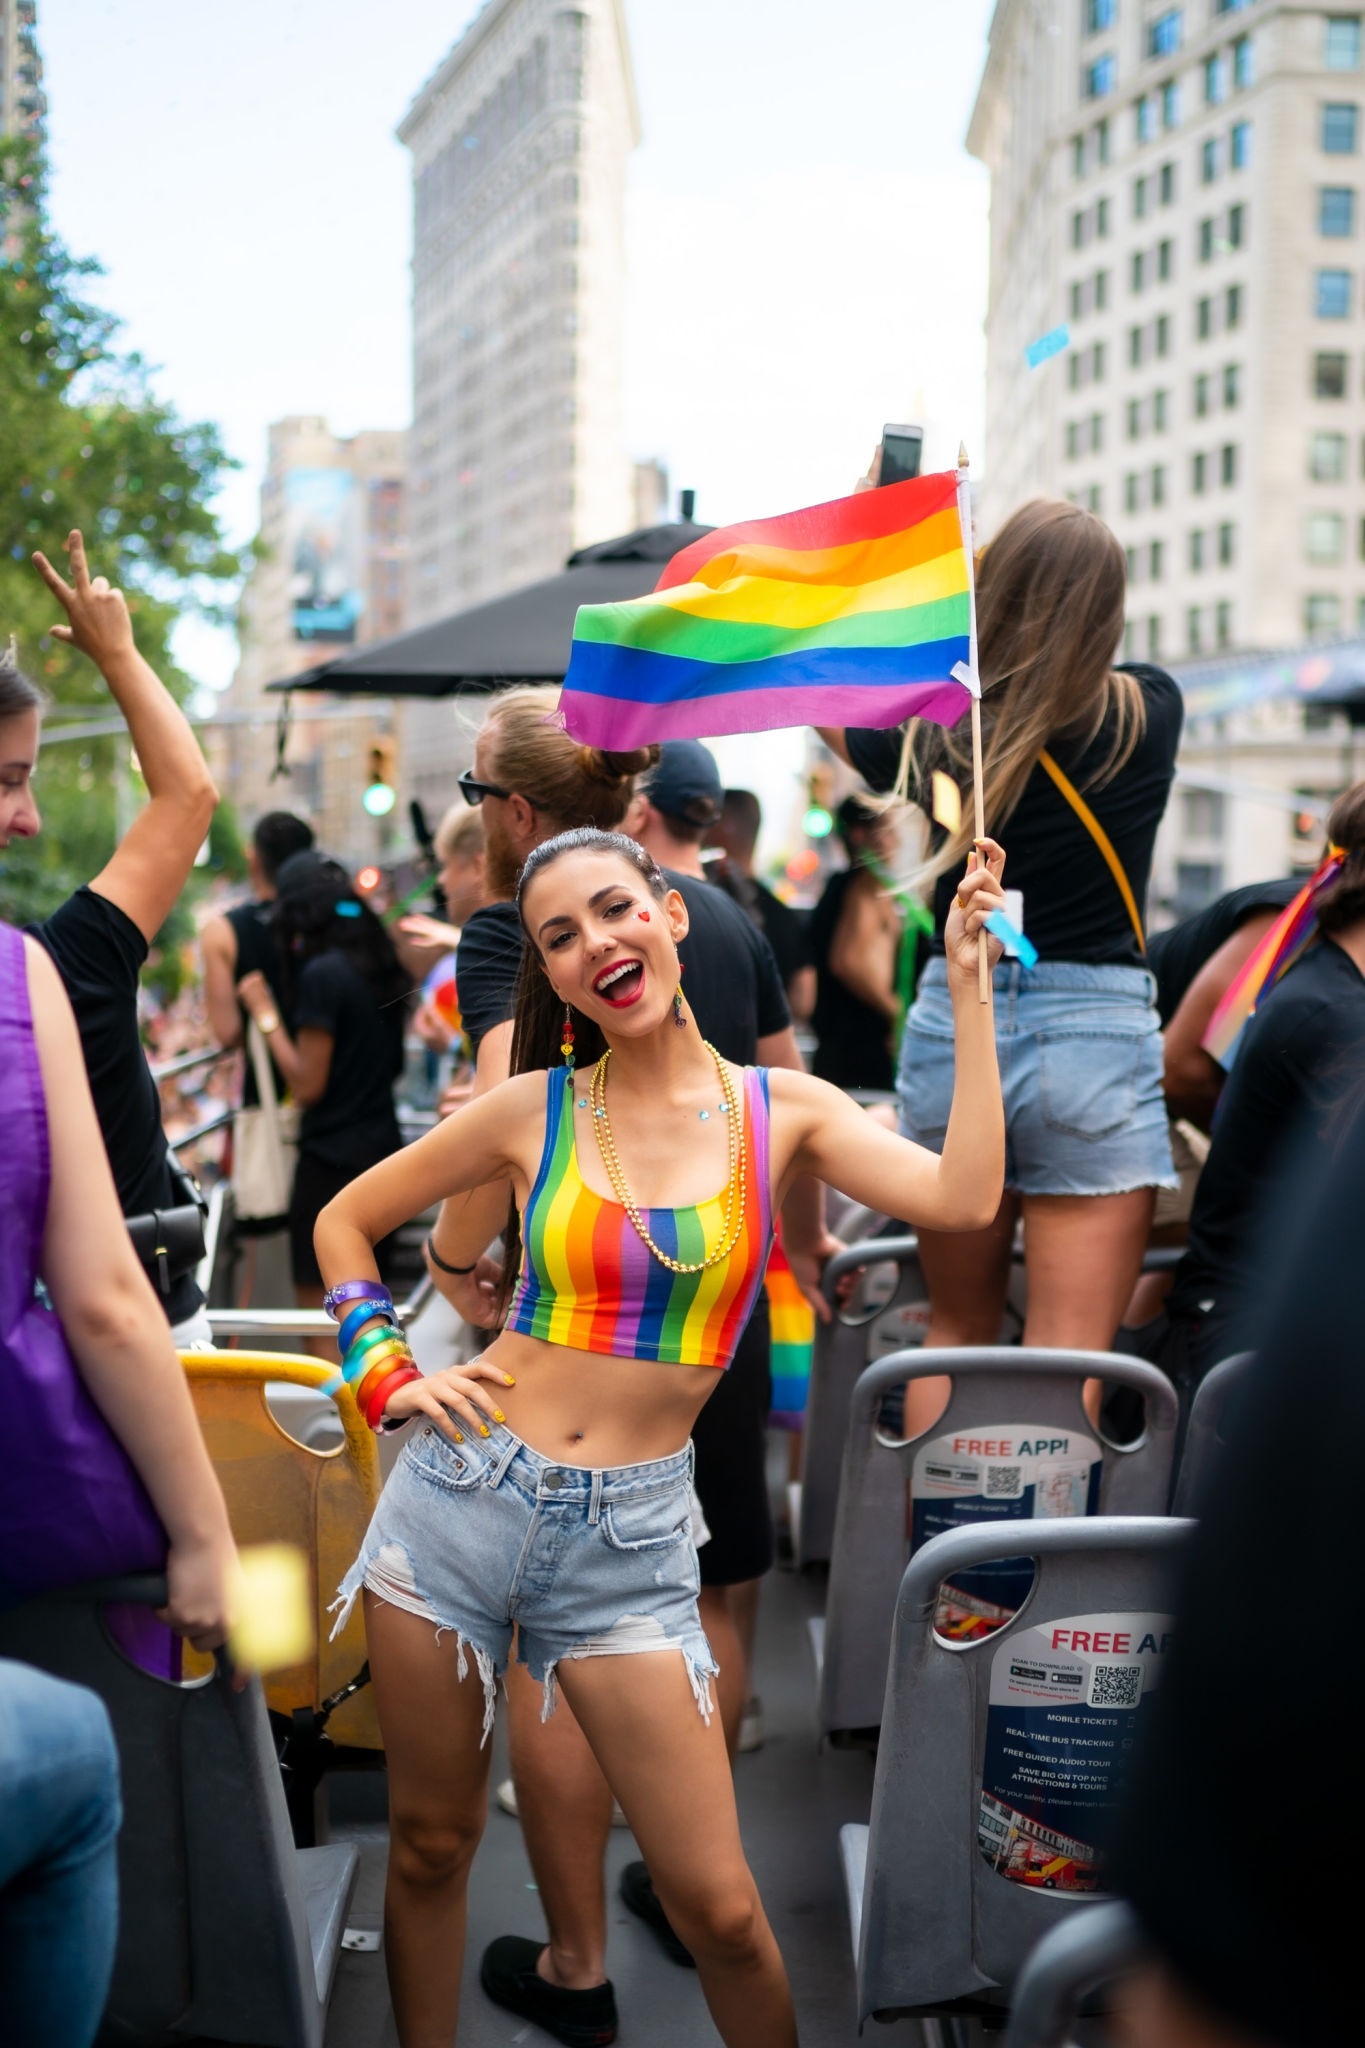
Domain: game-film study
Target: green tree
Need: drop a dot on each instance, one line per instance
(84, 441)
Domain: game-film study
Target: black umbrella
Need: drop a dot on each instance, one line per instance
(523, 637)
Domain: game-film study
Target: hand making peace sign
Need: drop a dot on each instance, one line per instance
(99, 621)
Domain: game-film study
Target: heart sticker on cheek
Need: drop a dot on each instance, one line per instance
(643, 916)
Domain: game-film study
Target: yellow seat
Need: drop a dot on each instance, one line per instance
(280, 1491)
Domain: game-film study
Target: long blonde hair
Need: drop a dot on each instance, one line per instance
(1049, 604)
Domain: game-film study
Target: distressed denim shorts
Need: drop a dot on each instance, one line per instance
(480, 1535)
(1080, 1069)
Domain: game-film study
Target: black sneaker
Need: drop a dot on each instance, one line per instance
(580, 2019)
(637, 1889)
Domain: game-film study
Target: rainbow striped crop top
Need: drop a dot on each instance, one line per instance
(588, 1282)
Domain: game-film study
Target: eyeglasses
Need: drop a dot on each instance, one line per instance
(473, 791)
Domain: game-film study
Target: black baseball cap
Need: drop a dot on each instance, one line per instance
(685, 783)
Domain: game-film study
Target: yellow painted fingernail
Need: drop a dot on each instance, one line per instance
(509, 1379)
(498, 1415)
(484, 1430)
(458, 1438)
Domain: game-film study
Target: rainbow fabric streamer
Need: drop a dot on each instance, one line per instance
(792, 1321)
(852, 613)
(1288, 939)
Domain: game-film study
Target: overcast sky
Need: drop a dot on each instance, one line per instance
(806, 232)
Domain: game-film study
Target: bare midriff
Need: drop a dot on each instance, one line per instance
(586, 1408)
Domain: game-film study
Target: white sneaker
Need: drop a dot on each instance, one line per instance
(506, 1796)
(751, 1729)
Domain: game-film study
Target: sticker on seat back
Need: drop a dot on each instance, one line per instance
(997, 1472)
(1066, 1702)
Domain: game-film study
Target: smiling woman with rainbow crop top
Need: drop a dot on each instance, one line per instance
(548, 1483)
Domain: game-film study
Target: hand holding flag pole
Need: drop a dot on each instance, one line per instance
(966, 674)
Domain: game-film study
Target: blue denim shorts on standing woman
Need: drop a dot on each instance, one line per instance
(588, 1563)
(1080, 1069)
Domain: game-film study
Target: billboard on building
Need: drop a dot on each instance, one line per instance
(324, 529)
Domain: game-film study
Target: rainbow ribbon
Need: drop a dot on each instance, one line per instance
(1288, 939)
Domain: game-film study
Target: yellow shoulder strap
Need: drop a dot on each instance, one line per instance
(1101, 839)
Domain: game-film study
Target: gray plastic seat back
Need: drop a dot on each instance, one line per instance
(213, 1917)
(1076, 1957)
(1013, 1443)
(1204, 1434)
(995, 1755)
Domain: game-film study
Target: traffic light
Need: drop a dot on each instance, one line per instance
(380, 794)
(818, 821)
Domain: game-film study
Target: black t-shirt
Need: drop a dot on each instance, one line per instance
(1072, 906)
(1300, 1058)
(99, 953)
(1177, 956)
(253, 928)
(786, 930)
(729, 973)
(1234, 1817)
(354, 1126)
(854, 1040)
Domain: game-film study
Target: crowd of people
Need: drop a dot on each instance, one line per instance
(581, 1505)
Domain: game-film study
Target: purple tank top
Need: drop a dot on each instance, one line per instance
(72, 1508)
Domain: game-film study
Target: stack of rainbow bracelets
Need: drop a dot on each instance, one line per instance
(376, 1362)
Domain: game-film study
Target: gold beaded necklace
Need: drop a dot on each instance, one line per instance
(734, 1190)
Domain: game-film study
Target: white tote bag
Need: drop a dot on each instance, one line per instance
(265, 1144)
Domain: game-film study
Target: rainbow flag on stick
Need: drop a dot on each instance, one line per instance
(859, 612)
(1288, 939)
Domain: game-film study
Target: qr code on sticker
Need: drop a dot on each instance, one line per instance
(1004, 1482)
(1115, 1685)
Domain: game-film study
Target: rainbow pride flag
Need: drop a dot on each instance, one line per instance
(857, 612)
(1288, 939)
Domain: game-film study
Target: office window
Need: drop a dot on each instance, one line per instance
(1101, 218)
(1237, 226)
(1163, 34)
(1078, 230)
(1208, 160)
(1164, 259)
(1167, 184)
(1130, 556)
(1135, 346)
(1215, 81)
(1226, 535)
(1205, 241)
(1139, 198)
(1341, 46)
(1154, 638)
(1100, 78)
(1197, 549)
(1203, 319)
(1232, 384)
(1192, 628)
(1102, 141)
(1336, 210)
(1324, 536)
(1075, 300)
(1130, 493)
(1163, 334)
(1073, 440)
(1137, 270)
(1159, 484)
(1159, 399)
(1155, 557)
(1134, 419)
(1073, 372)
(1239, 145)
(1327, 458)
(1339, 122)
(1222, 623)
(1170, 104)
(1332, 294)
(1094, 500)
(1201, 390)
(1101, 290)
(1099, 14)
(1197, 883)
(1130, 639)
(1227, 463)
(1096, 432)
(1078, 156)
(1329, 376)
(1243, 63)
(1199, 472)
(1321, 614)
(1097, 363)
(1232, 306)
(1144, 117)
(1203, 813)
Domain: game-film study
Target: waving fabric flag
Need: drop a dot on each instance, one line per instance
(1288, 939)
(852, 613)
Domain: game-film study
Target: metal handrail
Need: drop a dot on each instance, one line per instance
(215, 1123)
(303, 1322)
(185, 1060)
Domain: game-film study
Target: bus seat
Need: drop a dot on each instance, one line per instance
(1074, 1959)
(226, 1932)
(282, 1491)
(961, 1878)
(1015, 1425)
(1204, 1434)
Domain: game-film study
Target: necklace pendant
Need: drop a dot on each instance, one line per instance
(705, 1115)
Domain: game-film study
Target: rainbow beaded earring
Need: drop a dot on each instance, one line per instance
(678, 1017)
(566, 1042)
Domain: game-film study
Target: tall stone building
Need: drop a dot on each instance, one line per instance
(330, 573)
(1181, 186)
(23, 103)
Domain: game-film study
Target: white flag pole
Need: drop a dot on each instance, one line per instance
(972, 681)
